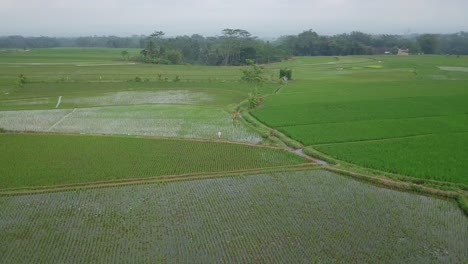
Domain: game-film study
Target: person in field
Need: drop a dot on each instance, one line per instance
(219, 134)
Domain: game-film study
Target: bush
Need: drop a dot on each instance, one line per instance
(253, 73)
(138, 79)
(174, 56)
(160, 78)
(254, 99)
(286, 73)
(176, 78)
(22, 80)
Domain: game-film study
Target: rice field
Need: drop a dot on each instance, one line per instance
(33, 160)
(405, 115)
(439, 157)
(351, 131)
(380, 109)
(294, 217)
(410, 114)
(141, 97)
(201, 122)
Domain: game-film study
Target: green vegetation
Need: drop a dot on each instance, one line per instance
(253, 73)
(43, 160)
(377, 119)
(286, 73)
(410, 124)
(40, 57)
(365, 110)
(312, 216)
(376, 129)
(22, 80)
(331, 100)
(438, 157)
(234, 46)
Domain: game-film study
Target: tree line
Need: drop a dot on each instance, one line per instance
(235, 46)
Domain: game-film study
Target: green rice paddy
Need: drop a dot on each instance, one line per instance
(48, 160)
(345, 101)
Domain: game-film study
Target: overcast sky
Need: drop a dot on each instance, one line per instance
(264, 18)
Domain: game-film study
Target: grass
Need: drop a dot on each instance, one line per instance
(311, 216)
(47, 160)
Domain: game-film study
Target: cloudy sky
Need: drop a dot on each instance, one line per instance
(265, 18)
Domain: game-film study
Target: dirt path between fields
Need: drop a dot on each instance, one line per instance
(301, 153)
(150, 180)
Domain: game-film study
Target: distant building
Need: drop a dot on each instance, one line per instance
(403, 52)
(387, 53)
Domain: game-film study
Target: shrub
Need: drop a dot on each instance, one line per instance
(160, 78)
(22, 80)
(286, 73)
(174, 56)
(253, 73)
(254, 99)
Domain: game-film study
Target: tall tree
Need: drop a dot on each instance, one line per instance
(428, 43)
(233, 40)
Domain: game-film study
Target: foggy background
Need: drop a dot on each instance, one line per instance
(263, 18)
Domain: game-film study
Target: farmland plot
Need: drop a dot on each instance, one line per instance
(410, 113)
(147, 120)
(32, 160)
(294, 217)
(141, 97)
(439, 157)
(314, 134)
(34, 120)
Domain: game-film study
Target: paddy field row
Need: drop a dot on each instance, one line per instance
(274, 217)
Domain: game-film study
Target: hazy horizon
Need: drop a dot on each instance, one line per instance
(263, 18)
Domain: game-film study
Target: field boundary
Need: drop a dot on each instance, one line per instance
(268, 132)
(388, 139)
(394, 184)
(381, 139)
(367, 120)
(155, 179)
(219, 141)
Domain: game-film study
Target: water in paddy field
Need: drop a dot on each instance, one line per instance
(148, 120)
(130, 98)
(294, 217)
(458, 69)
